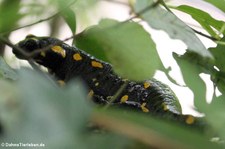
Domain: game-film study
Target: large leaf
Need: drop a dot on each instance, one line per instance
(42, 113)
(161, 19)
(207, 21)
(218, 3)
(45, 113)
(127, 46)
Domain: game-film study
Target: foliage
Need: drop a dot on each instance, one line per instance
(172, 25)
(62, 117)
(210, 24)
(140, 47)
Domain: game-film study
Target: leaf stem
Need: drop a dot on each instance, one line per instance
(220, 42)
(116, 95)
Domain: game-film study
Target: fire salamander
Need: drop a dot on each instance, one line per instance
(66, 63)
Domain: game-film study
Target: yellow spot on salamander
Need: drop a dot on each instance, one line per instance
(97, 84)
(165, 107)
(91, 93)
(77, 57)
(124, 99)
(94, 79)
(59, 50)
(96, 64)
(61, 82)
(144, 109)
(43, 54)
(147, 85)
(190, 119)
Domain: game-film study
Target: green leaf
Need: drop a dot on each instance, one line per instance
(215, 116)
(67, 13)
(6, 71)
(107, 140)
(9, 14)
(161, 19)
(127, 46)
(70, 18)
(46, 113)
(217, 3)
(218, 79)
(191, 71)
(151, 131)
(40, 112)
(218, 53)
(203, 18)
(94, 47)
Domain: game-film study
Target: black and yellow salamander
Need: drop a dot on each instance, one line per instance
(66, 63)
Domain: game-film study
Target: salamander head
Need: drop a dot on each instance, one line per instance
(44, 50)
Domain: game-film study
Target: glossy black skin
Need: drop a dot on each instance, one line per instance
(67, 68)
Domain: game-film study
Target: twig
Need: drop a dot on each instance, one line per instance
(42, 20)
(117, 2)
(116, 95)
(204, 35)
(144, 10)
